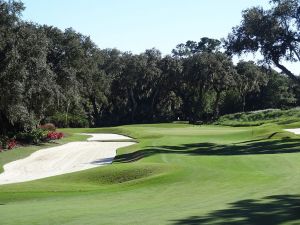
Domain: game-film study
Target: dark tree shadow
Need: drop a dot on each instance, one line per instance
(272, 210)
(269, 146)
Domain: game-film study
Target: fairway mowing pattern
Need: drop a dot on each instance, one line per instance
(184, 174)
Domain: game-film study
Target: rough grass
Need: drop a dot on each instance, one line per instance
(257, 118)
(176, 174)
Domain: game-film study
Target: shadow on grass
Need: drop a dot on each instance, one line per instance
(272, 210)
(286, 145)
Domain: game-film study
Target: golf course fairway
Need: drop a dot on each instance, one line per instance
(176, 174)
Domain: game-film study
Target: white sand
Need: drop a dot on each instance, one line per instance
(67, 158)
(295, 131)
(106, 137)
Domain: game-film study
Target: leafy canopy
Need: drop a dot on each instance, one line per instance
(274, 33)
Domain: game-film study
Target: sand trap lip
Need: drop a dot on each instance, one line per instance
(295, 131)
(67, 158)
(106, 137)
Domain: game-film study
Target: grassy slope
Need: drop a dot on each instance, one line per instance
(176, 174)
(285, 118)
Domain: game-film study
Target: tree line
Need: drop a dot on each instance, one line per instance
(50, 75)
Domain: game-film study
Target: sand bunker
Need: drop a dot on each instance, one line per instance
(67, 158)
(106, 137)
(295, 131)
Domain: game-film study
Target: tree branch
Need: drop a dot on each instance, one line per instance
(296, 53)
(286, 71)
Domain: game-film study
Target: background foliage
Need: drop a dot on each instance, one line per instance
(62, 77)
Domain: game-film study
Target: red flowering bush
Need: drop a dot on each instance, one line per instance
(12, 143)
(53, 135)
(32, 137)
(7, 143)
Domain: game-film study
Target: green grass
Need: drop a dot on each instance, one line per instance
(175, 174)
(290, 117)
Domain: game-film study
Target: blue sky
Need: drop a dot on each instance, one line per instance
(136, 25)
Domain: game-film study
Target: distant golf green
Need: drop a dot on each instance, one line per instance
(176, 174)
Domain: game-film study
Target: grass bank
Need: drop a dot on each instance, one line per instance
(284, 118)
(176, 174)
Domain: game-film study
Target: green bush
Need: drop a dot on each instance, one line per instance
(59, 119)
(48, 127)
(34, 136)
(3, 142)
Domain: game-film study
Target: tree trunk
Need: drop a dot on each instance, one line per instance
(153, 104)
(216, 106)
(96, 111)
(134, 105)
(244, 102)
(90, 117)
(67, 114)
(5, 126)
(286, 71)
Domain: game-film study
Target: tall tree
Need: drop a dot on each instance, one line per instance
(222, 73)
(169, 103)
(274, 33)
(64, 57)
(27, 84)
(277, 93)
(141, 77)
(191, 47)
(250, 78)
(9, 20)
(195, 87)
(95, 84)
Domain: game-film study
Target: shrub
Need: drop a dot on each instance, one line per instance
(7, 143)
(78, 121)
(52, 135)
(12, 143)
(59, 119)
(3, 142)
(1, 145)
(48, 127)
(34, 136)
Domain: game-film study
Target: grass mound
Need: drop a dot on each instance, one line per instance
(175, 174)
(257, 118)
(115, 174)
(99, 178)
